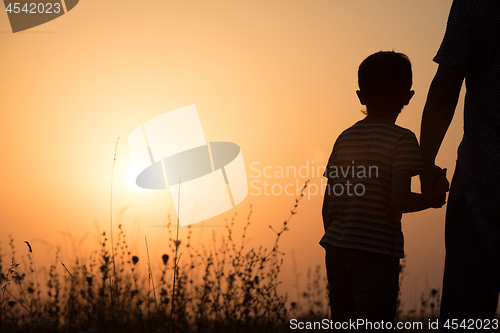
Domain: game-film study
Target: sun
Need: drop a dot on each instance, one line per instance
(131, 176)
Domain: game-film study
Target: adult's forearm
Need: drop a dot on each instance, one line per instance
(439, 110)
(437, 117)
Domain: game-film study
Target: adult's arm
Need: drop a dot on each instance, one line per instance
(438, 113)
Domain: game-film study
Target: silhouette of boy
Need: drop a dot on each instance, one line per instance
(369, 187)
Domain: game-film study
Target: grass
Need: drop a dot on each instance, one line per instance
(228, 287)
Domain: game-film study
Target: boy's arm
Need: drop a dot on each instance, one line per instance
(326, 203)
(405, 201)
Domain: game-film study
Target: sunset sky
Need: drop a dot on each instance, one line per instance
(276, 77)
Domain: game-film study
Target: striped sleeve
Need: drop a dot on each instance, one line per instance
(407, 155)
(329, 165)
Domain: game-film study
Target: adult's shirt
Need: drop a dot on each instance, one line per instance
(472, 44)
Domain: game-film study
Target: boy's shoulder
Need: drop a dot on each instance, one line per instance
(361, 128)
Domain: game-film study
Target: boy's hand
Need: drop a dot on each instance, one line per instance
(441, 187)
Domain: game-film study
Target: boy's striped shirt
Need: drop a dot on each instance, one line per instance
(360, 170)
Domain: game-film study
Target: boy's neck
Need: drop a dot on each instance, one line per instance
(374, 119)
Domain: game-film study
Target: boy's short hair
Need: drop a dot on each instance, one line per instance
(384, 75)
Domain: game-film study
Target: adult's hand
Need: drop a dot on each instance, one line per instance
(430, 179)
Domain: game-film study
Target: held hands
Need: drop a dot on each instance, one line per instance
(440, 186)
(431, 180)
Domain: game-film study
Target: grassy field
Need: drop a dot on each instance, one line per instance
(230, 288)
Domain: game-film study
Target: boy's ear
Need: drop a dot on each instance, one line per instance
(408, 97)
(361, 97)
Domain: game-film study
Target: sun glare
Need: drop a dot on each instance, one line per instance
(131, 176)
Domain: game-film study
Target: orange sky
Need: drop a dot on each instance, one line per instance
(276, 77)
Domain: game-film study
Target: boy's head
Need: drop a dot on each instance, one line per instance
(385, 79)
